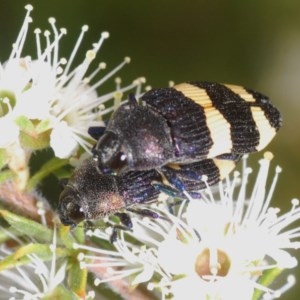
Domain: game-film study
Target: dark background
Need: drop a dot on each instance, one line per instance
(252, 43)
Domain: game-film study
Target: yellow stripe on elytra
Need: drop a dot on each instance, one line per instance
(265, 129)
(224, 166)
(241, 91)
(218, 126)
(220, 132)
(195, 93)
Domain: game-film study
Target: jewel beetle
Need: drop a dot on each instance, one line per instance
(183, 124)
(91, 195)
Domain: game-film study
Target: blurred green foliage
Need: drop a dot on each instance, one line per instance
(253, 43)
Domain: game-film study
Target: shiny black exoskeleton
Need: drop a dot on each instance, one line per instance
(178, 140)
(90, 195)
(184, 124)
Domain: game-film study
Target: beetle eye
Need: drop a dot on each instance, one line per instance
(75, 212)
(70, 212)
(119, 161)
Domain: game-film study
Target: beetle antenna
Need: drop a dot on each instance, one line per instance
(132, 100)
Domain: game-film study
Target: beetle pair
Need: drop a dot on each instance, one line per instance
(175, 136)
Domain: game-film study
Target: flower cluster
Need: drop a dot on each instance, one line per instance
(45, 102)
(230, 244)
(220, 247)
(33, 280)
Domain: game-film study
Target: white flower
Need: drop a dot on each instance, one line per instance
(13, 79)
(218, 247)
(17, 82)
(33, 280)
(130, 260)
(53, 94)
(34, 101)
(74, 102)
(34, 268)
(8, 137)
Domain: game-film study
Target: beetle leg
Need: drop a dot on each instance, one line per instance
(196, 176)
(114, 235)
(127, 225)
(125, 219)
(175, 180)
(168, 190)
(147, 213)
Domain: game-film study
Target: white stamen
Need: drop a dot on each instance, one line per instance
(37, 32)
(110, 74)
(278, 293)
(19, 44)
(84, 29)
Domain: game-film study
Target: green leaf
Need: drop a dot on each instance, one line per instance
(79, 233)
(60, 292)
(66, 237)
(48, 168)
(27, 227)
(5, 235)
(20, 256)
(78, 280)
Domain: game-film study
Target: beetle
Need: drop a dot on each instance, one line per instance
(183, 124)
(91, 195)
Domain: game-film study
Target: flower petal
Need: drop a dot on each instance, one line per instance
(9, 131)
(62, 141)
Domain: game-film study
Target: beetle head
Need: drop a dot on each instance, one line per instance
(69, 209)
(136, 138)
(88, 195)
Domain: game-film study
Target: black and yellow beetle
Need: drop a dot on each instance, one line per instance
(189, 122)
(184, 137)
